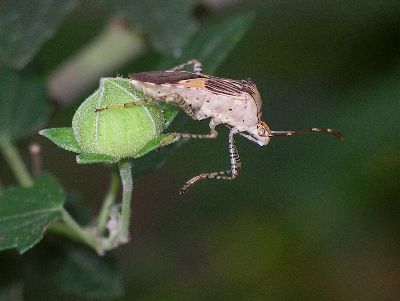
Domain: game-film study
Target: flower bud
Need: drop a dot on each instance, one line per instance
(118, 132)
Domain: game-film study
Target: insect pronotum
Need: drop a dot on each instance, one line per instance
(233, 103)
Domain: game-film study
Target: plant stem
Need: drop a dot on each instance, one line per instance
(127, 188)
(75, 231)
(14, 160)
(108, 202)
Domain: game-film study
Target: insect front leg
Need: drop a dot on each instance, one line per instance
(197, 66)
(219, 175)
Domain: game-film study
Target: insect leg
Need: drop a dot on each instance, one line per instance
(127, 104)
(197, 66)
(212, 135)
(219, 175)
(178, 100)
(301, 132)
(172, 98)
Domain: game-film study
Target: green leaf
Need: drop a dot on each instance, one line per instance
(168, 24)
(62, 137)
(23, 104)
(214, 42)
(25, 213)
(26, 25)
(95, 158)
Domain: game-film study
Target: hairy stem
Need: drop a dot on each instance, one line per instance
(14, 160)
(108, 202)
(127, 188)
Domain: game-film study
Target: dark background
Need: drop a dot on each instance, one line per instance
(309, 218)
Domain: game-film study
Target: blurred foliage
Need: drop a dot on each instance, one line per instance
(160, 20)
(23, 104)
(309, 218)
(93, 277)
(25, 25)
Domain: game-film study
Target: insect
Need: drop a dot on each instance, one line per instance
(233, 103)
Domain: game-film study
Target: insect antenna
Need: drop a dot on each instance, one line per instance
(332, 132)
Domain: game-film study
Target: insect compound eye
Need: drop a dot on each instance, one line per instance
(261, 131)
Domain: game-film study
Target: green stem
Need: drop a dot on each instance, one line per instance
(108, 202)
(14, 160)
(75, 231)
(127, 188)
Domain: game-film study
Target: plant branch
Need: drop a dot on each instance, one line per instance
(127, 188)
(14, 160)
(75, 231)
(108, 202)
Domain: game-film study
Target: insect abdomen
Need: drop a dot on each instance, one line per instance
(218, 106)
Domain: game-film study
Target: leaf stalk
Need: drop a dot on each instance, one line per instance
(14, 160)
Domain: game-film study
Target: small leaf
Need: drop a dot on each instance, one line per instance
(95, 158)
(62, 137)
(23, 107)
(25, 213)
(168, 24)
(25, 25)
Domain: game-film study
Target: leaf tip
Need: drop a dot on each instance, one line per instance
(43, 132)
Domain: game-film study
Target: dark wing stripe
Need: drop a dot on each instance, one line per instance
(224, 86)
(164, 77)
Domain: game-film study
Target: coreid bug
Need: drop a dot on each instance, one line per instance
(233, 103)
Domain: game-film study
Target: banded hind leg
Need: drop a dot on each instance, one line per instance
(219, 175)
(126, 105)
(175, 99)
(197, 66)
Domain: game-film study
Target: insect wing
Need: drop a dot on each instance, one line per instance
(224, 86)
(164, 77)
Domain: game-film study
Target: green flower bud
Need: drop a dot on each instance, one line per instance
(117, 132)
